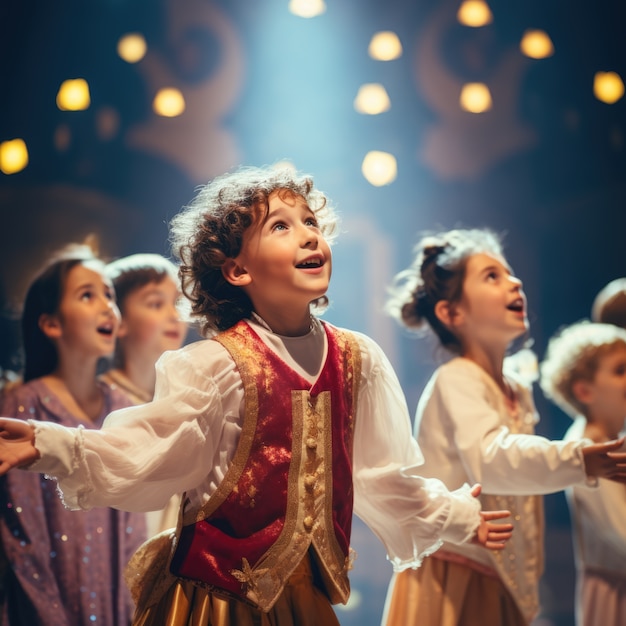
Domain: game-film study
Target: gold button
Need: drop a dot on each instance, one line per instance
(311, 443)
(308, 523)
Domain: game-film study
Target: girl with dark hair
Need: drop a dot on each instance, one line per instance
(65, 568)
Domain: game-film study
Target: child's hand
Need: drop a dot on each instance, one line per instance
(17, 444)
(602, 460)
(489, 535)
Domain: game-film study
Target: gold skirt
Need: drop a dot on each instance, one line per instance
(185, 604)
(444, 593)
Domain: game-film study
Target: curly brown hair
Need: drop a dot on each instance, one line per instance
(210, 230)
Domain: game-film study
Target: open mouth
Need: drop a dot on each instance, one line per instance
(311, 263)
(517, 305)
(105, 330)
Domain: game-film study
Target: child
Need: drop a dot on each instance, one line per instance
(65, 567)
(584, 372)
(147, 292)
(273, 428)
(475, 422)
(609, 306)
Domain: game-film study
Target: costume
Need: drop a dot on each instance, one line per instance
(65, 567)
(157, 521)
(194, 432)
(599, 547)
(117, 378)
(468, 434)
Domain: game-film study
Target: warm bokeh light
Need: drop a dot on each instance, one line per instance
(132, 47)
(372, 99)
(379, 168)
(169, 102)
(307, 8)
(13, 156)
(475, 98)
(474, 13)
(385, 46)
(536, 44)
(74, 95)
(608, 87)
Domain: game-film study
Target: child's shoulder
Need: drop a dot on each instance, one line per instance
(25, 399)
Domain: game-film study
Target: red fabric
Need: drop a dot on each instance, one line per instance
(252, 516)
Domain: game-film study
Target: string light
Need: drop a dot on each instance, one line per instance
(385, 46)
(372, 99)
(13, 156)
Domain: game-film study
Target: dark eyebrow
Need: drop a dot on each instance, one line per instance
(497, 268)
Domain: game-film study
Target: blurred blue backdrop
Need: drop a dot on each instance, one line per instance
(545, 166)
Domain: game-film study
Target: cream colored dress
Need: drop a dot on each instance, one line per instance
(468, 435)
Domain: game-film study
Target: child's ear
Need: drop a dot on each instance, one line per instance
(235, 273)
(50, 326)
(582, 390)
(447, 313)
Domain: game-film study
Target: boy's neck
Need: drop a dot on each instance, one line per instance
(141, 373)
(285, 323)
(600, 430)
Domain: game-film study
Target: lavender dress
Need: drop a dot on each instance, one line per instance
(61, 567)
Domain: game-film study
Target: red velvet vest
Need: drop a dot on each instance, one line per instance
(290, 482)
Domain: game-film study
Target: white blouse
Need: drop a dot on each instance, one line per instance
(184, 441)
(599, 519)
(467, 434)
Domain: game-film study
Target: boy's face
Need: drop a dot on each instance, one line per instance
(286, 260)
(151, 322)
(605, 396)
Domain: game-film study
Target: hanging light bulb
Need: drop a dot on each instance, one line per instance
(169, 102)
(372, 99)
(536, 44)
(385, 46)
(379, 168)
(13, 156)
(474, 13)
(132, 47)
(475, 98)
(608, 87)
(73, 95)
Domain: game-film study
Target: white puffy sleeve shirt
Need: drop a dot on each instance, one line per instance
(184, 441)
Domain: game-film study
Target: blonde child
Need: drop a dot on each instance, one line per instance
(276, 428)
(64, 568)
(148, 293)
(475, 422)
(584, 373)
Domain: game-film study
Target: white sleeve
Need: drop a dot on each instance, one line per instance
(503, 462)
(142, 454)
(410, 514)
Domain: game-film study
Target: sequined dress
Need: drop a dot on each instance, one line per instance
(64, 567)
